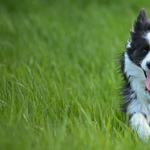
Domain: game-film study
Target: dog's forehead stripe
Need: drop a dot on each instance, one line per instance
(148, 37)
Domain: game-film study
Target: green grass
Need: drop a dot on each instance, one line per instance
(58, 81)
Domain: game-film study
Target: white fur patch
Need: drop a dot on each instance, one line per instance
(148, 37)
(128, 44)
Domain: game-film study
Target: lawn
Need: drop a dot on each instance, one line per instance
(58, 78)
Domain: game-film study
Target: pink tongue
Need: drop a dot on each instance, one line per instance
(147, 81)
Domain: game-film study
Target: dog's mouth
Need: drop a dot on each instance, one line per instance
(147, 81)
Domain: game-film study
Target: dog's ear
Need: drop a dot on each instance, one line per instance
(139, 24)
(142, 16)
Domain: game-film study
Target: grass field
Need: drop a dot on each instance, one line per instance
(58, 81)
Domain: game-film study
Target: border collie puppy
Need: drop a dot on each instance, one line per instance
(135, 68)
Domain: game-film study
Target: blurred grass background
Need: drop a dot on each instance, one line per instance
(58, 81)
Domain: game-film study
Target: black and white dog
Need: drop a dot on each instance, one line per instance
(135, 68)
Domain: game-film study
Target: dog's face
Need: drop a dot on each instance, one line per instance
(139, 48)
(141, 51)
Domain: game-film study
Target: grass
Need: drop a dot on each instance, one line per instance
(58, 85)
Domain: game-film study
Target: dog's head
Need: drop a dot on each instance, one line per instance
(139, 47)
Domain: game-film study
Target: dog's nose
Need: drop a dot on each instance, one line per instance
(148, 65)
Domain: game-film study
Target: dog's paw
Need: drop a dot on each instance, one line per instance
(140, 125)
(143, 132)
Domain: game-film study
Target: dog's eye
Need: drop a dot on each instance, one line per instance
(144, 50)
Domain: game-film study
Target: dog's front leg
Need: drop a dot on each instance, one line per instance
(139, 123)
